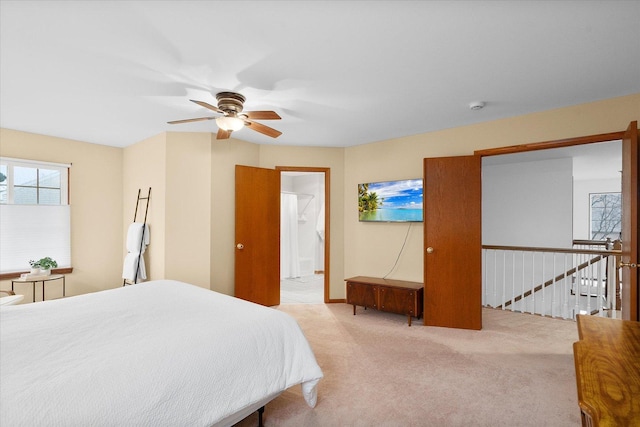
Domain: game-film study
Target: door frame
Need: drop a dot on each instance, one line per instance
(583, 140)
(559, 143)
(629, 257)
(327, 222)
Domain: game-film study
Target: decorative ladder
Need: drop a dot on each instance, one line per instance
(144, 225)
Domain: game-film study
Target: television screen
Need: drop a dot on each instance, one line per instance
(391, 201)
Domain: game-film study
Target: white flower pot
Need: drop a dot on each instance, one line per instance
(45, 271)
(35, 271)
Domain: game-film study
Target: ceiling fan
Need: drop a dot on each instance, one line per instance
(230, 104)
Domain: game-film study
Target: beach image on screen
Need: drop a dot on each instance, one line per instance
(391, 201)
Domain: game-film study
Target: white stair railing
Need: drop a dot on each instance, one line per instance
(552, 281)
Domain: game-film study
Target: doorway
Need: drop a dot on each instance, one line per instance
(562, 178)
(303, 236)
(587, 166)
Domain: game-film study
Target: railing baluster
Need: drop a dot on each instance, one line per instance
(576, 288)
(504, 280)
(565, 290)
(533, 282)
(553, 287)
(611, 285)
(544, 301)
(593, 280)
(513, 278)
(495, 278)
(485, 271)
(601, 285)
(522, 306)
(587, 281)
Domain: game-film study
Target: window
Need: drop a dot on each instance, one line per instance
(605, 215)
(24, 182)
(34, 213)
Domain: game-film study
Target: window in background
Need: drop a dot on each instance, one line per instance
(35, 218)
(605, 215)
(33, 183)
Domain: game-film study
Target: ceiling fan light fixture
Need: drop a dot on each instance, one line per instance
(230, 104)
(229, 123)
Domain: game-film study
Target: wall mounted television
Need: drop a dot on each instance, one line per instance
(391, 201)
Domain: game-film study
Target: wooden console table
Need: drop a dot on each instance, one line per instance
(607, 363)
(394, 296)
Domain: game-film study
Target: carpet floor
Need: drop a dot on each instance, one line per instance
(517, 371)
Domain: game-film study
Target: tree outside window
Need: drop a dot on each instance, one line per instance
(606, 216)
(3, 183)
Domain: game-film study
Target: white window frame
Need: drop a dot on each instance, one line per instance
(34, 231)
(11, 163)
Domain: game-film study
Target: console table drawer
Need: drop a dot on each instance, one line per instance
(400, 301)
(362, 294)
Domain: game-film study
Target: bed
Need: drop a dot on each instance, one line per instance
(159, 353)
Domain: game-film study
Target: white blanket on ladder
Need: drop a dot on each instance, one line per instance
(137, 241)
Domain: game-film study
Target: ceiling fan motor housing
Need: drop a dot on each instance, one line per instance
(230, 102)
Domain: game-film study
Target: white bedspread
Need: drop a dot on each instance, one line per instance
(160, 353)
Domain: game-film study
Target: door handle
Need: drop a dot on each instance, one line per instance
(240, 246)
(628, 264)
(429, 250)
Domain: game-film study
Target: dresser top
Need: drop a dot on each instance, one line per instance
(385, 282)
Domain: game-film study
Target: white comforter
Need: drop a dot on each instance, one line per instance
(160, 353)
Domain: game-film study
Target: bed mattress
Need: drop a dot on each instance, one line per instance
(159, 353)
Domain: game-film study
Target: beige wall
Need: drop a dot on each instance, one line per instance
(192, 202)
(95, 192)
(371, 249)
(188, 208)
(177, 167)
(225, 154)
(144, 167)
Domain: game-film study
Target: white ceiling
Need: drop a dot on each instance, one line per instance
(339, 73)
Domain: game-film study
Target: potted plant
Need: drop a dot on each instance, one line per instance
(46, 264)
(35, 267)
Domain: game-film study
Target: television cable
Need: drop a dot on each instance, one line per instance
(406, 236)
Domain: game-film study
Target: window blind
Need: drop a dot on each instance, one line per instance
(31, 232)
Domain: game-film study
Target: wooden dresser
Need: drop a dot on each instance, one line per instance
(394, 296)
(607, 362)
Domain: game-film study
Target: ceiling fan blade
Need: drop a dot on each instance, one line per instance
(209, 106)
(190, 120)
(263, 129)
(262, 115)
(223, 134)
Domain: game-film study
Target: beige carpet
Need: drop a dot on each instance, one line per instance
(517, 371)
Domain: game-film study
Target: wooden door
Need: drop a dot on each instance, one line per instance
(630, 188)
(452, 242)
(257, 232)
